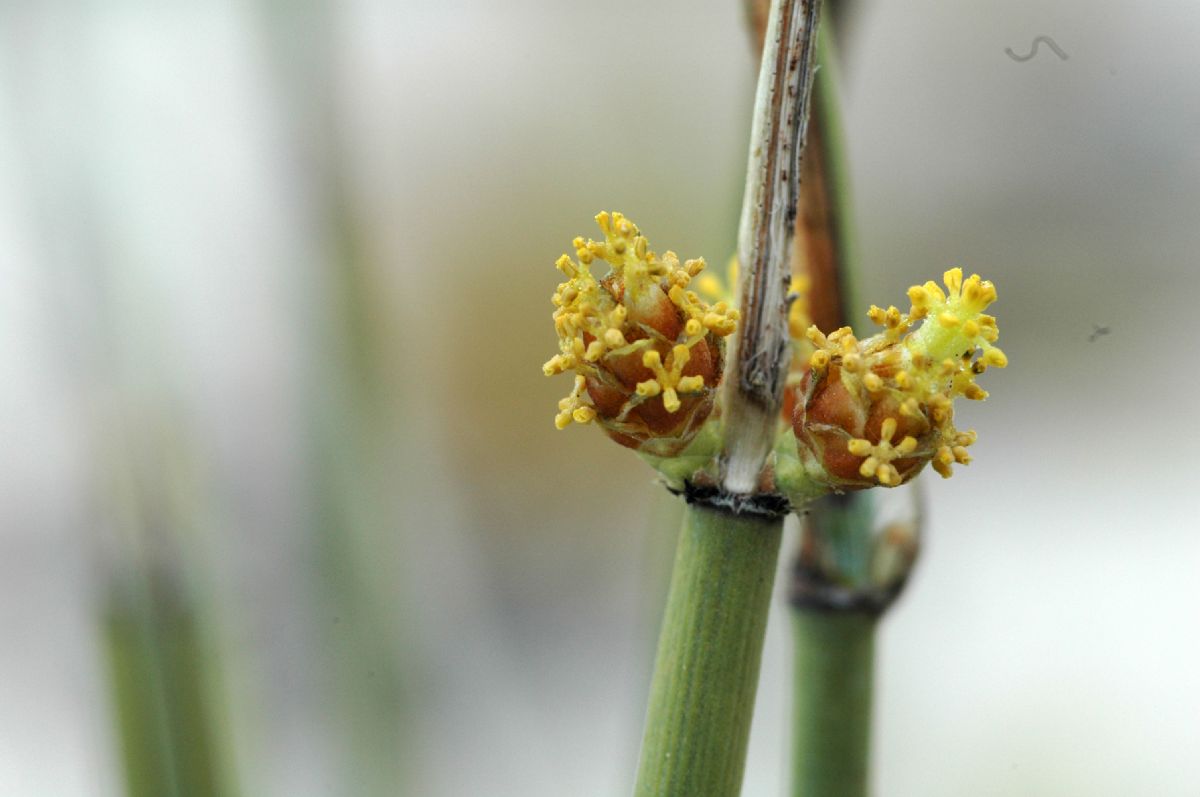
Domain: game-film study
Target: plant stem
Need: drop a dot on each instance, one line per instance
(170, 736)
(139, 703)
(834, 660)
(846, 575)
(825, 225)
(756, 372)
(709, 651)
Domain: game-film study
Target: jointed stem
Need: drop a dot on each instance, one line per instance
(706, 673)
(710, 647)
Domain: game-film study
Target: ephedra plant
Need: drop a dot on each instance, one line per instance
(751, 412)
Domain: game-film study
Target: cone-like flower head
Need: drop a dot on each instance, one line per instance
(876, 411)
(647, 351)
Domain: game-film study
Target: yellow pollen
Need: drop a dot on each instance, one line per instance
(948, 320)
(649, 388)
(953, 280)
(995, 357)
(880, 456)
(668, 380)
(888, 475)
(942, 462)
(573, 408)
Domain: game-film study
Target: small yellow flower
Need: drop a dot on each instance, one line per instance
(573, 408)
(856, 395)
(669, 380)
(647, 350)
(879, 456)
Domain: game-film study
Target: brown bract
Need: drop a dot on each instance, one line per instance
(831, 411)
(644, 422)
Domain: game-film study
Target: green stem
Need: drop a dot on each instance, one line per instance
(834, 171)
(139, 703)
(709, 650)
(835, 648)
(834, 659)
(166, 717)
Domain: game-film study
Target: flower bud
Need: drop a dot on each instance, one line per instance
(876, 411)
(647, 352)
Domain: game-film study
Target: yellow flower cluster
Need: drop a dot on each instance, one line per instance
(639, 339)
(907, 377)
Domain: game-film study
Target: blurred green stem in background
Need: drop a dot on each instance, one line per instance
(834, 659)
(161, 689)
(833, 663)
(164, 663)
(834, 650)
(356, 526)
(357, 419)
(706, 672)
(846, 575)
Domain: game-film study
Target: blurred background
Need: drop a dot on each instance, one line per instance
(280, 492)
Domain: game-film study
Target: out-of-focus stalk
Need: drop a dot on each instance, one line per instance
(164, 709)
(356, 418)
(164, 669)
(138, 697)
(831, 703)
